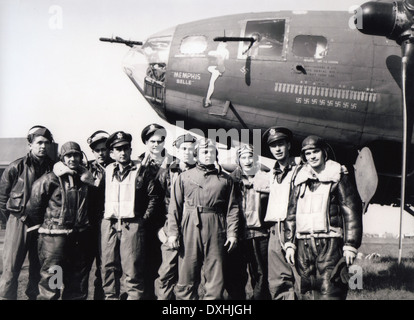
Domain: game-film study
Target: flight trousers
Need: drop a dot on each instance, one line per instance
(316, 259)
(203, 237)
(98, 293)
(17, 243)
(65, 265)
(280, 274)
(255, 252)
(167, 273)
(123, 252)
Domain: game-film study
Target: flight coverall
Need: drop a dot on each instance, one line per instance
(168, 270)
(324, 219)
(15, 189)
(202, 212)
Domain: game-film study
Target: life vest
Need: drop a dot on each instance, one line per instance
(119, 196)
(312, 209)
(278, 198)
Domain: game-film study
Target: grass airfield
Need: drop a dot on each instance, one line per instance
(382, 277)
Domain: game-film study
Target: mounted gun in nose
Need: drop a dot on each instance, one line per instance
(129, 43)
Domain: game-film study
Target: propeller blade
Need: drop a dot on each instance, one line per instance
(407, 48)
(394, 20)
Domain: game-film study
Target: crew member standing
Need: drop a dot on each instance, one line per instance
(155, 162)
(203, 216)
(96, 201)
(168, 271)
(59, 203)
(323, 224)
(281, 275)
(15, 189)
(254, 187)
(131, 196)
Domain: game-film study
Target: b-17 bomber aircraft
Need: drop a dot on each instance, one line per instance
(347, 77)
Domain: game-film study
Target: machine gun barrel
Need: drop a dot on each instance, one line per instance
(129, 43)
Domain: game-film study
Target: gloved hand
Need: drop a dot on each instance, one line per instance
(349, 257)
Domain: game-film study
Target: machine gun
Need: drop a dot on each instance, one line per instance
(129, 43)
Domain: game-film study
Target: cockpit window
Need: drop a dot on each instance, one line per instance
(193, 45)
(157, 49)
(270, 35)
(308, 46)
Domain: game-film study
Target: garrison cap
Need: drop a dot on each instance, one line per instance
(184, 138)
(39, 131)
(70, 147)
(118, 139)
(277, 133)
(96, 137)
(150, 130)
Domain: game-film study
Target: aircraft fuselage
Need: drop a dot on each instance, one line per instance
(309, 71)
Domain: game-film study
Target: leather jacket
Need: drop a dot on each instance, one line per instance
(96, 194)
(257, 191)
(156, 175)
(16, 184)
(59, 200)
(344, 205)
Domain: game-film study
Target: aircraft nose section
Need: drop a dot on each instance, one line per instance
(146, 66)
(376, 18)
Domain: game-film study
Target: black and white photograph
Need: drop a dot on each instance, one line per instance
(223, 150)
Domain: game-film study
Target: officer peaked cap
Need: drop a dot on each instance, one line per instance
(118, 139)
(277, 133)
(97, 137)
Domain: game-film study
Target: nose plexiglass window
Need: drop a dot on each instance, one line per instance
(146, 67)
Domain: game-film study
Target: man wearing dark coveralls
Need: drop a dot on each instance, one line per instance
(168, 271)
